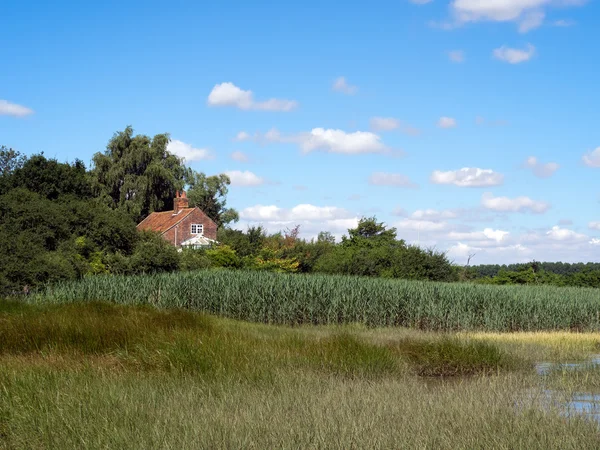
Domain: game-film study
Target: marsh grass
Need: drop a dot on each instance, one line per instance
(294, 410)
(171, 379)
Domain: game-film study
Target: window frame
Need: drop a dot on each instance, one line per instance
(199, 226)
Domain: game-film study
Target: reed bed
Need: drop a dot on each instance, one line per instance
(325, 299)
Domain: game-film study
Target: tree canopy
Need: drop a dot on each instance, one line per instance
(138, 174)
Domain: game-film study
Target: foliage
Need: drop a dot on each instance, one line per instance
(209, 194)
(138, 174)
(53, 179)
(224, 256)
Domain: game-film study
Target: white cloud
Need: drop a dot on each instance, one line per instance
(338, 141)
(242, 136)
(333, 141)
(12, 109)
(421, 225)
(528, 14)
(563, 234)
(539, 169)
(468, 177)
(390, 123)
(228, 94)
(594, 241)
(187, 152)
(341, 85)
(239, 156)
(244, 178)
(446, 122)
(594, 225)
(300, 212)
(514, 55)
(518, 204)
(390, 179)
(486, 234)
(327, 140)
(592, 159)
(433, 215)
(457, 56)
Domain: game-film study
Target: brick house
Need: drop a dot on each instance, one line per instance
(184, 226)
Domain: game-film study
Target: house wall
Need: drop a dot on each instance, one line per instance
(184, 228)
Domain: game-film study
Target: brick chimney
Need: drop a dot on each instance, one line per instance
(179, 202)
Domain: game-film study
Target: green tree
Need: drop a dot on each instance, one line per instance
(138, 174)
(10, 160)
(372, 233)
(52, 179)
(209, 193)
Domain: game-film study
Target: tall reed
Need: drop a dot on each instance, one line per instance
(325, 299)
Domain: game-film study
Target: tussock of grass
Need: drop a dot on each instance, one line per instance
(453, 357)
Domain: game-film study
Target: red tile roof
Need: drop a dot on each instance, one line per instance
(163, 221)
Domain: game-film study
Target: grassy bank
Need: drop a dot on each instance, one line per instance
(98, 375)
(317, 299)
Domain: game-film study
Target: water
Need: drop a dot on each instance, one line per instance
(585, 404)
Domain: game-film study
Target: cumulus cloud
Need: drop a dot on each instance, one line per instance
(518, 204)
(12, 109)
(244, 178)
(300, 212)
(421, 225)
(187, 152)
(592, 159)
(311, 218)
(239, 156)
(594, 241)
(338, 141)
(326, 140)
(564, 234)
(390, 123)
(594, 225)
(527, 14)
(486, 234)
(341, 85)
(540, 169)
(446, 122)
(228, 94)
(457, 56)
(514, 55)
(468, 177)
(390, 179)
(434, 215)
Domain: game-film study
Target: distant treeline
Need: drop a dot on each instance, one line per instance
(556, 274)
(558, 268)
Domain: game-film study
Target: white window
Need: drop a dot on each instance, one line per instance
(197, 228)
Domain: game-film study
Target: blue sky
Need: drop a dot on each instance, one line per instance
(469, 125)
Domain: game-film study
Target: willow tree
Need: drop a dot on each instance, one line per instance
(138, 174)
